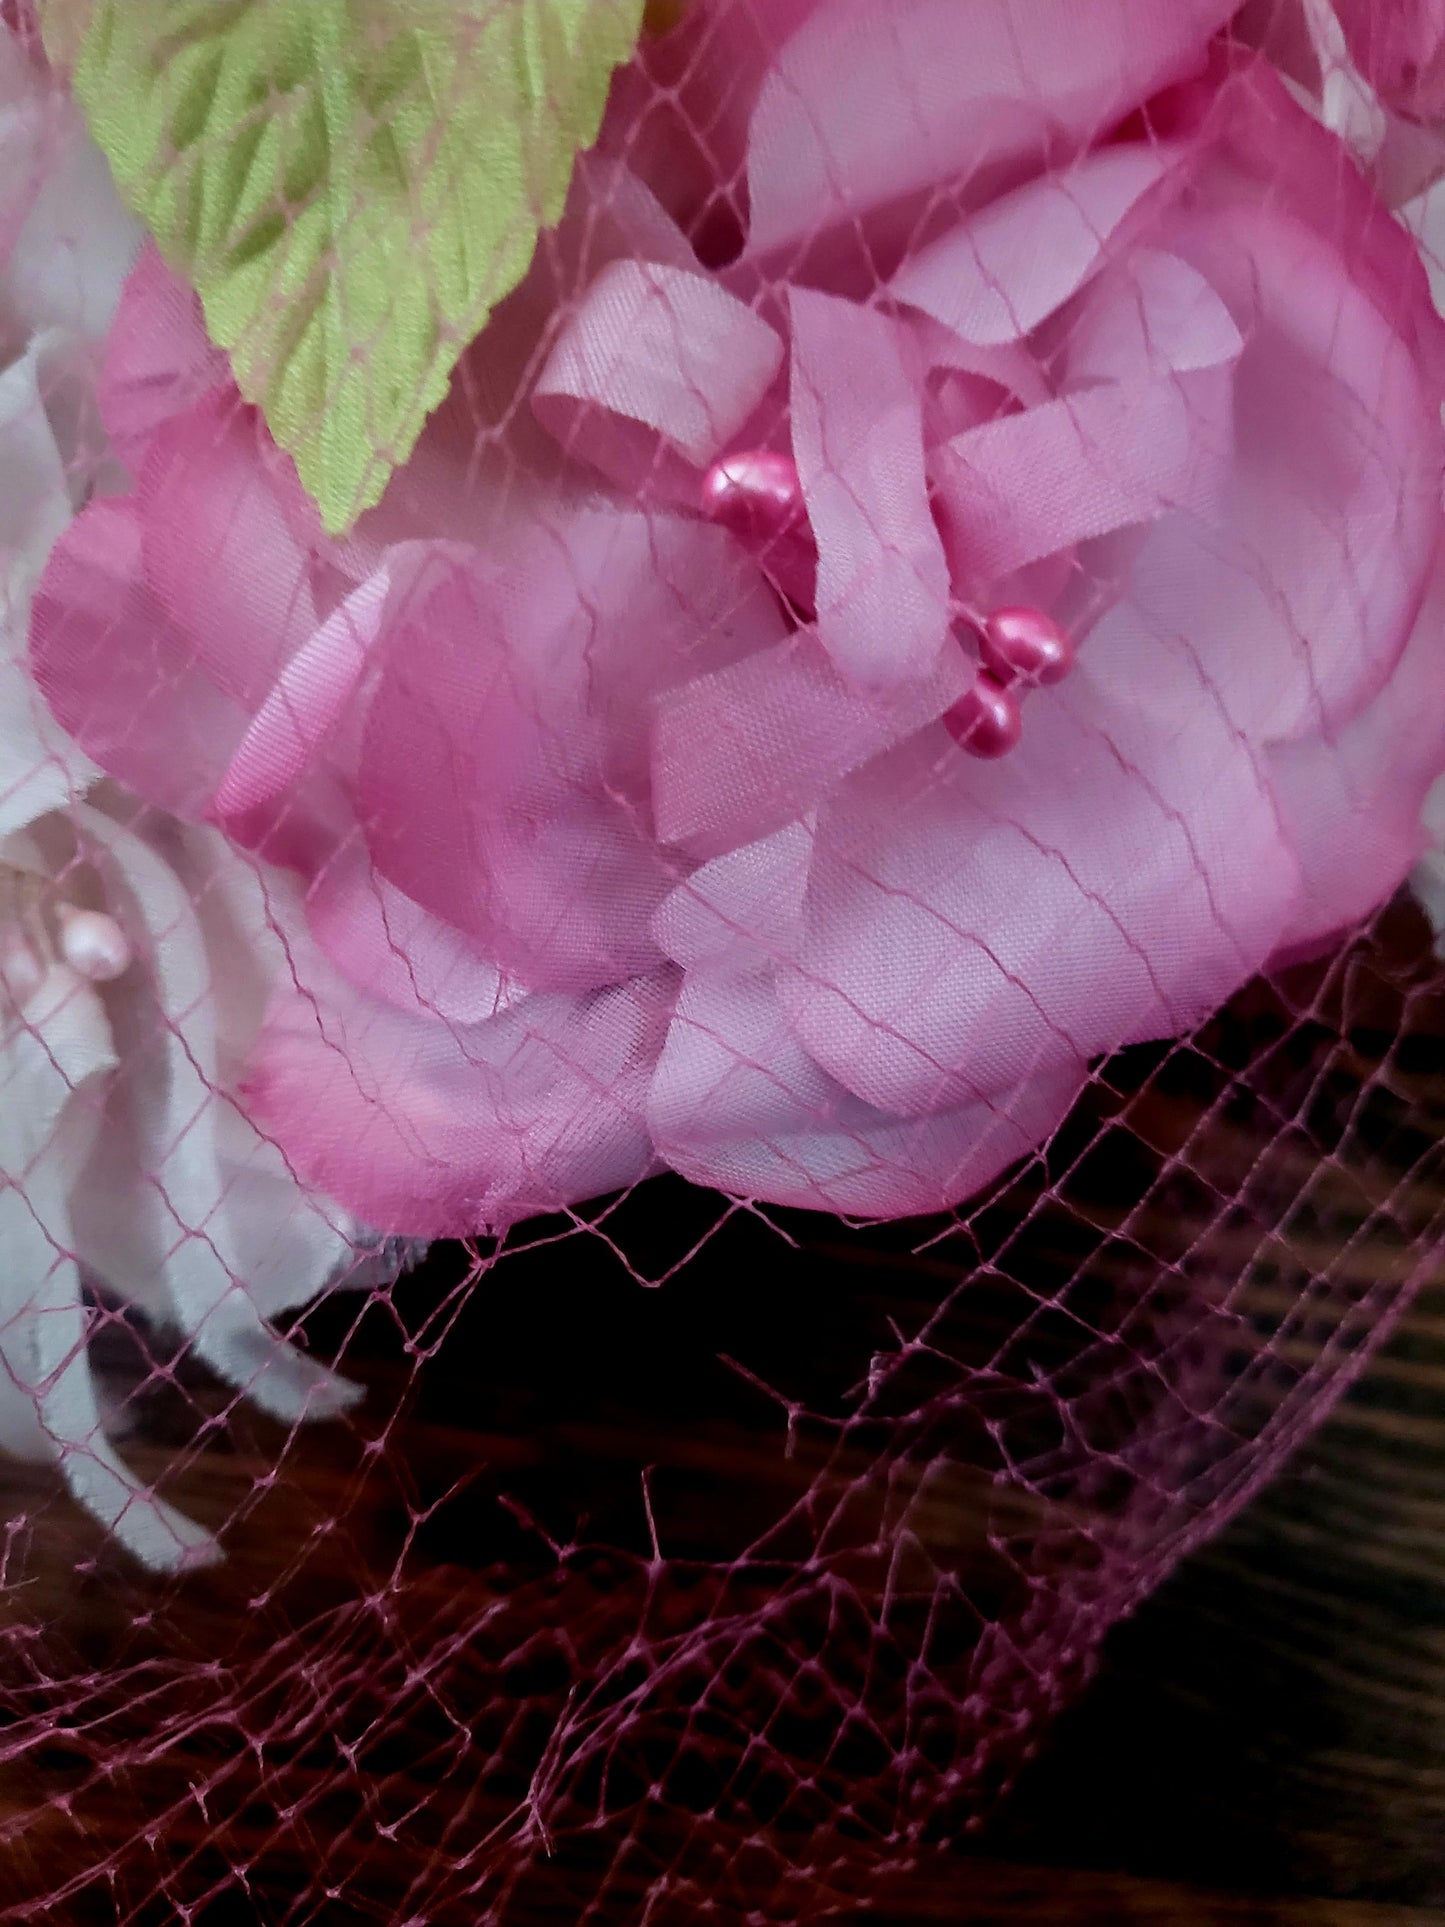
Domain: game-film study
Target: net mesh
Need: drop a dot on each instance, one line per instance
(840, 829)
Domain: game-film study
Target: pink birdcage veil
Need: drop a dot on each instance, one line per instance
(850, 813)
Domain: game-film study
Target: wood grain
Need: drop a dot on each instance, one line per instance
(1265, 1740)
(1275, 1715)
(989, 1890)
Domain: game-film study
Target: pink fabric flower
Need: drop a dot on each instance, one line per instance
(626, 748)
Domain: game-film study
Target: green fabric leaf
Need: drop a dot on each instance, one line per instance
(351, 185)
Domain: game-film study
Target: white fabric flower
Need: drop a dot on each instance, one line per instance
(136, 953)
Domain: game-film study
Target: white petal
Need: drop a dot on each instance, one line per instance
(1425, 218)
(180, 1189)
(40, 769)
(71, 258)
(54, 1060)
(1349, 106)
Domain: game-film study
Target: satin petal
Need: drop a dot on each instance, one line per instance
(742, 751)
(874, 99)
(667, 351)
(736, 1103)
(994, 278)
(505, 780)
(970, 924)
(883, 587)
(439, 1130)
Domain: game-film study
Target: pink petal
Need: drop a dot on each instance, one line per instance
(483, 460)
(668, 351)
(1150, 314)
(743, 910)
(857, 412)
(307, 701)
(1146, 429)
(613, 214)
(741, 752)
(1353, 801)
(679, 111)
(1108, 458)
(972, 924)
(118, 673)
(1011, 368)
(993, 278)
(731, 1071)
(875, 99)
(1302, 588)
(393, 950)
(219, 549)
(159, 360)
(737, 1104)
(1087, 465)
(1266, 136)
(428, 1129)
(504, 771)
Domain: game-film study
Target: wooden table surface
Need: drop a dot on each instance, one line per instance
(1265, 1740)
(1274, 1718)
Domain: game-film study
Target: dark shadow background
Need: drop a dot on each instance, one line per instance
(1264, 1739)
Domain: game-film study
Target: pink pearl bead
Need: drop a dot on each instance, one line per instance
(756, 494)
(93, 944)
(1025, 645)
(987, 721)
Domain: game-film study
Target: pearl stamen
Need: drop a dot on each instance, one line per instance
(1019, 649)
(986, 722)
(756, 494)
(1025, 645)
(93, 944)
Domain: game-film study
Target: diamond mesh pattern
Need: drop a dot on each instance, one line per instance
(906, 1187)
